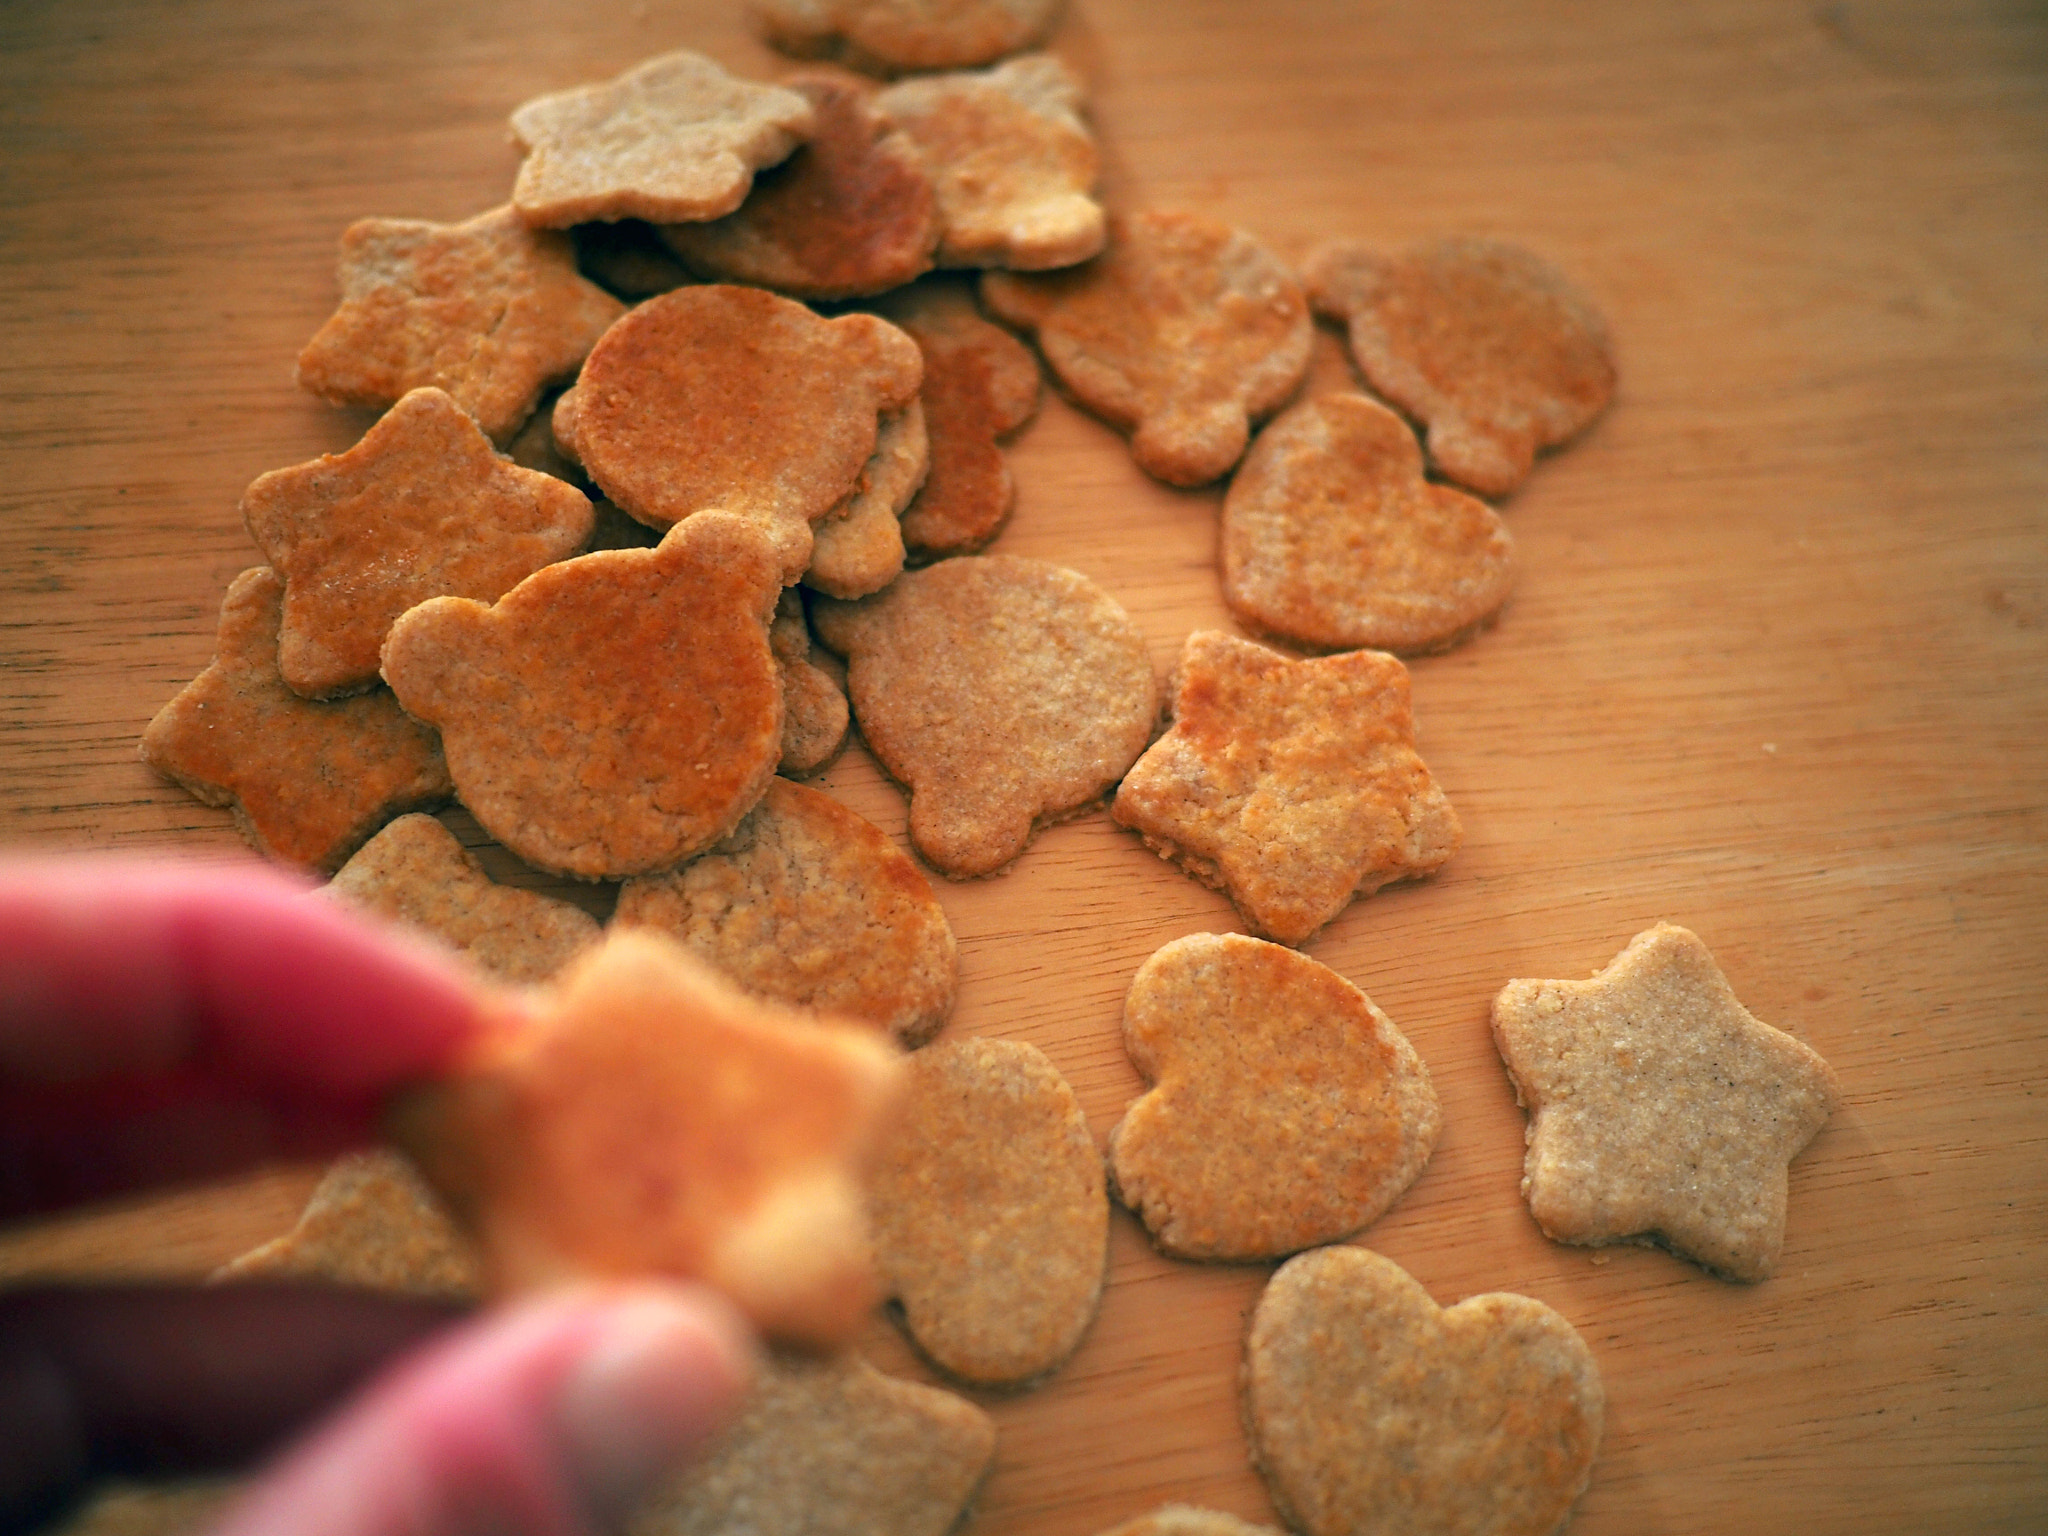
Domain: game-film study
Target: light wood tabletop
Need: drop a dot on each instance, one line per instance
(1775, 668)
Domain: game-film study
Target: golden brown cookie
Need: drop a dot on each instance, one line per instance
(990, 1216)
(1005, 694)
(1370, 1408)
(307, 782)
(808, 904)
(736, 399)
(1291, 786)
(415, 872)
(644, 1117)
(857, 548)
(489, 310)
(888, 36)
(673, 138)
(613, 714)
(421, 507)
(1183, 333)
(1013, 160)
(980, 385)
(1659, 1107)
(1182, 1520)
(1333, 538)
(814, 712)
(831, 1448)
(850, 212)
(1490, 347)
(1286, 1110)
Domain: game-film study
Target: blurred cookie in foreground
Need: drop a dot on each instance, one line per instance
(892, 36)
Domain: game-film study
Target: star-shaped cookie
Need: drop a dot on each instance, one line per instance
(1290, 785)
(1659, 1107)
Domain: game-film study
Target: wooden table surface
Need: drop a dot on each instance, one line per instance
(1776, 667)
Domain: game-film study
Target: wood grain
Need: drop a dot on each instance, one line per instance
(1776, 668)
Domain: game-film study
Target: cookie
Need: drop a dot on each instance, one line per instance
(1292, 786)
(1659, 1108)
(980, 385)
(831, 1448)
(644, 1117)
(307, 782)
(673, 138)
(990, 1217)
(814, 712)
(421, 507)
(1332, 537)
(1370, 1408)
(185, 1507)
(1286, 1111)
(416, 873)
(488, 310)
(857, 548)
(613, 714)
(1183, 333)
(372, 1222)
(1014, 164)
(888, 36)
(1490, 347)
(1183, 1520)
(851, 212)
(1005, 694)
(738, 399)
(808, 904)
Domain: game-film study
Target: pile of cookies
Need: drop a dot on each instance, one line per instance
(590, 621)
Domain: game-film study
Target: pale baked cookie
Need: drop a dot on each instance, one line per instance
(421, 507)
(990, 1217)
(673, 138)
(1183, 333)
(851, 212)
(489, 310)
(831, 1448)
(1333, 538)
(810, 905)
(738, 399)
(417, 873)
(613, 714)
(645, 1117)
(307, 782)
(1292, 786)
(1490, 347)
(1005, 694)
(1285, 1111)
(1183, 1520)
(1014, 163)
(857, 548)
(1659, 1108)
(814, 712)
(1370, 1408)
(980, 385)
(887, 36)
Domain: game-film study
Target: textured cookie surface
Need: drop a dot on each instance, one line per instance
(1013, 160)
(421, 507)
(890, 35)
(1005, 693)
(307, 782)
(613, 714)
(814, 712)
(1371, 1409)
(1182, 1520)
(1488, 345)
(645, 1117)
(857, 548)
(673, 138)
(1286, 1110)
(488, 310)
(991, 1220)
(811, 905)
(1333, 538)
(1183, 333)
(1659, 1106)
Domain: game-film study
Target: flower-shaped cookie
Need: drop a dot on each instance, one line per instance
(1291, 785)
(489, 310)
(673, 138)
(1490, 347)
(857, 548)
(885, 36)
(307, 781)
(613, 714)
(1183, 333)
(1659, 1107)
(421, 507)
